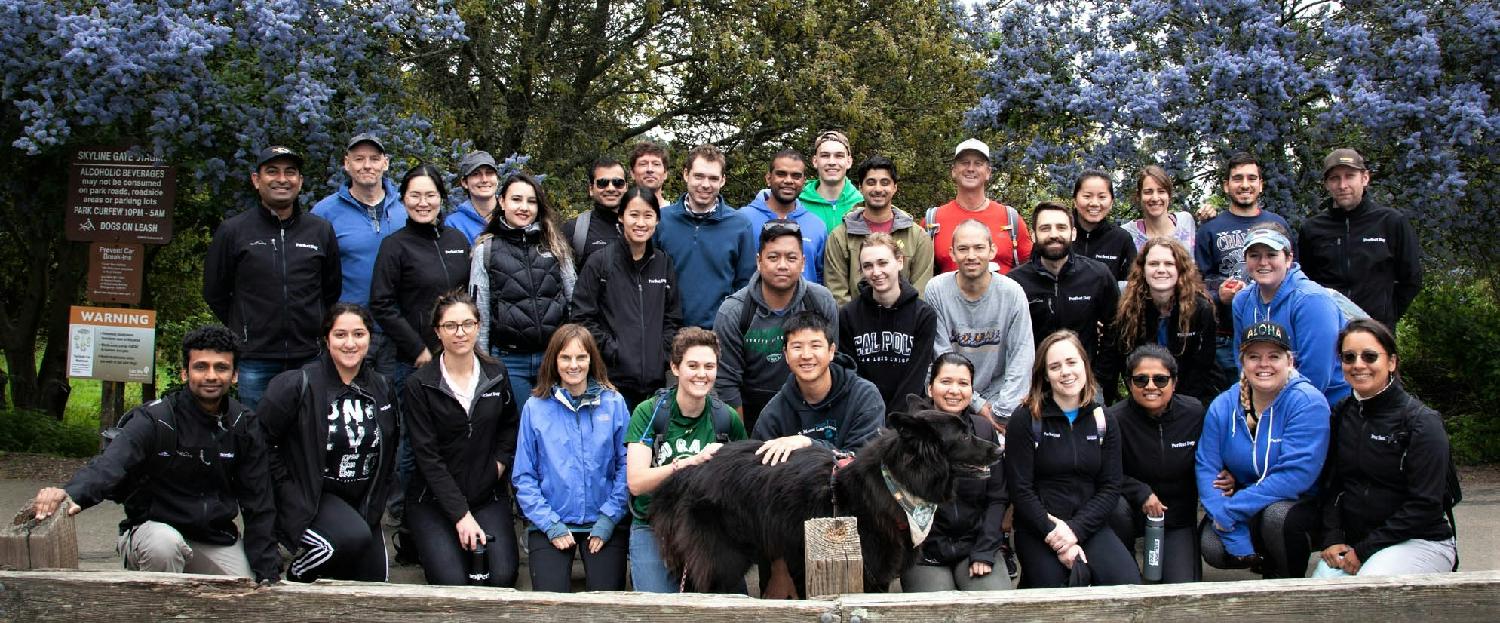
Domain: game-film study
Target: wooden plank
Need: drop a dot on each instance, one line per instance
(835, 564)
(139, 596)
(49, 544)
(1448, 597)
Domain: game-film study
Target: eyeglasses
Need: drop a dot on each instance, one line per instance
(605, 182)
(1369, 357)
(451, 328)
(1142, 380)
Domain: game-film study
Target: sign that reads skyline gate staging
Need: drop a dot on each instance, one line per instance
(118, 195)
(112, 344)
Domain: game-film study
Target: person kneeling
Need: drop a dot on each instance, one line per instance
(184, 523)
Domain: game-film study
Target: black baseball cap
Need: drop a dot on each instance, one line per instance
(1265, 332)
(365, 137)
(276, 151)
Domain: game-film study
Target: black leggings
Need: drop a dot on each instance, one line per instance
(552, 569)
(1109, 562)
(1282, 533)
(1180, 562)
(444, 561)
(340, 545)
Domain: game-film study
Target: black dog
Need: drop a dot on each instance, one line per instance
(714, 520)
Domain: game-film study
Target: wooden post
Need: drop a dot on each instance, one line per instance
(835, 564)
(49, 544)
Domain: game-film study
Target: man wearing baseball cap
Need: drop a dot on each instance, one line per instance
(1282, 294)
(271, 273)
(971, 174)
(830, 194)
(480, 178)
(1365, 250)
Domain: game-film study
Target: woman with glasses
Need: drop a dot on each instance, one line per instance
(461, 418)
(1385, 497)
(627, 296)
(1269, 431)
(1164, 303)
(1159, 430)
(521, 272)
(330, 430)
(1062, 464)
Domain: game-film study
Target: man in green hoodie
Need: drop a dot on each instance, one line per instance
(831, 195)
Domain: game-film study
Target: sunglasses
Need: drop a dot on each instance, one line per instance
(1141, 381)
(605, 182)
(779, 226)
(1369, 357)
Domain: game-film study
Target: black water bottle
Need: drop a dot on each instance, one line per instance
(1156, 532)
(479, 564)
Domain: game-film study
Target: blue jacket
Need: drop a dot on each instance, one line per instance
(714, 255)
(570, 463)
(467, 220)
(1282, 462)
(359, 236)
(1312, 320)
(814, 232)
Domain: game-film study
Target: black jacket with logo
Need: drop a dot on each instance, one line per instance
(972, 524)
(1386, 473)
(604, 230)
(1198, 373)
(633, 309)
(456, 449)
(1068, 474)
(1082, 297)
(216, 471)
(1159, 455)
(271, 281)
(892, 346)
(294, 425)
(1107, 244)
(1370, 253)
(417, 264)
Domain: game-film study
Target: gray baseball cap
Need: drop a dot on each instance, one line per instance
(473, 160)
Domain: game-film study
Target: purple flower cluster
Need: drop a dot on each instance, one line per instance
(1183, 83)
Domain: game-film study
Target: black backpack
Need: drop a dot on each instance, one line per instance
(164, 446)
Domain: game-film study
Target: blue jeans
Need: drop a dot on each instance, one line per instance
(1229, 363)
(647, 571)
(521, 368)
(256, 374)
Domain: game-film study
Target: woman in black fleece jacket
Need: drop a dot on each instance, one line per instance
(462, 420)
(1159, 430)
(1385, 483)
(1065, 481)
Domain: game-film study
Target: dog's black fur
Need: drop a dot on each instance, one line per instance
(715, 520)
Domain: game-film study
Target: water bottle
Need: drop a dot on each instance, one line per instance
(1156, 531)
(479, 564)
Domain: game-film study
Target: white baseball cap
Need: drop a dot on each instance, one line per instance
(972, 144)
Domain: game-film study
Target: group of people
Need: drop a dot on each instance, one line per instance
(453, 366)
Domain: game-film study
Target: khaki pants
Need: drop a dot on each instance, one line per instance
(154, 546)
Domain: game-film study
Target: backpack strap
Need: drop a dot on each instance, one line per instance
(747, 316)
(659, 423)
(1100, 424)
(581, 231)
(931, 221)
(722, 421)
(1012, 218)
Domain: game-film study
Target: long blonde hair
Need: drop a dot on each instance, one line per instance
(1136, 299)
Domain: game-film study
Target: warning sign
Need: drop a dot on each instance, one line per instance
(112, 344)
(119, 196)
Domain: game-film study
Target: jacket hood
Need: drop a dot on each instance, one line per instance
(1295, 281)
(759, 204)
(908, 293)
(854, 221)
(755, 295)
(848, 195)
(841, 368)
(719, 213)
(1102, 228)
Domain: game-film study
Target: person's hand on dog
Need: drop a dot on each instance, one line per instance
(980, 569)
(699, 458)
(1069, 556)
(777, 450)
(1224, 482)
(595, 544)
(1153, 507)
(470, 535)
(564, 542)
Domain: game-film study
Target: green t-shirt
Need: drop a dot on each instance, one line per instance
(686, 436)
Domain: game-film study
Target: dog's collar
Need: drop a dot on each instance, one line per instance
(840, 461)
(919, 512)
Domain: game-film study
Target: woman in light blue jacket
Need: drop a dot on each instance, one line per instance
(570, 468)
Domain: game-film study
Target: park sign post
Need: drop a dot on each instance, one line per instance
(112, 344)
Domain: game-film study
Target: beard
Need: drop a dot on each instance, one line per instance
(1054, 249)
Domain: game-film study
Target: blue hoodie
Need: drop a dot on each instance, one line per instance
(359, 236)
(814, 232)
(1282, 462)
(467, 220)
(714, 255)
(1312, 321)
(570, 462)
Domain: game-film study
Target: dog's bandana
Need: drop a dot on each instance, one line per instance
(919, 512)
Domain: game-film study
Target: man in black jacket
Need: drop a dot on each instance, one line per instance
(1365, 250)
(601, 224)
(1065, 290)
(183, 467)
(271, 273)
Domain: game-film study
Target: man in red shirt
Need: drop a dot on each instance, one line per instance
(971, 173)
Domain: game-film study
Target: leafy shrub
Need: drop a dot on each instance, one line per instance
(1446, 340)
(34, 431)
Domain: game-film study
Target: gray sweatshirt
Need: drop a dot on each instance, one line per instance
(993, 332)
(754, 360)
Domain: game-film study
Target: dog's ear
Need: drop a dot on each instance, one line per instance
(917, 404)
(909, 425)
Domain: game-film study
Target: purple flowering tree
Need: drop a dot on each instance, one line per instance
(1184, 83)
(200, 83)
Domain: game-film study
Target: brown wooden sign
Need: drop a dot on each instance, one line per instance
(118, 196)
(115, 271)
